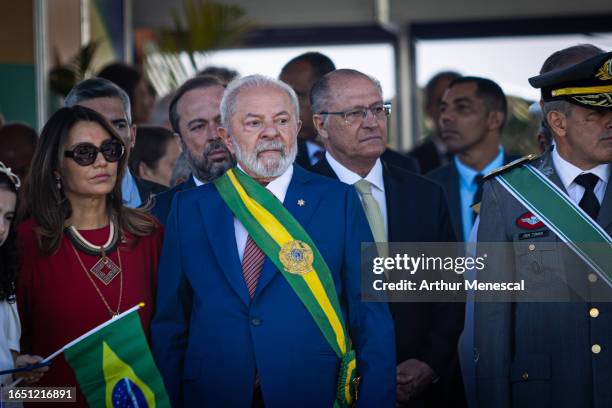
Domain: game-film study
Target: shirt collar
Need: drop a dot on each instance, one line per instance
(375, 176)
(278, 187)
(568, 172)
(197, 181)
(129, 189)
(467, 174)
(312, 148)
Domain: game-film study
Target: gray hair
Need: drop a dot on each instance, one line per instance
(322, 91)
(228, 103)
(561, 106)
(98, 88)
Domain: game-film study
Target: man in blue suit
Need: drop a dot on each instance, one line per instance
(223, 338)
(194, 116)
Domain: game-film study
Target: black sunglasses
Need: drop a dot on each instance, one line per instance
(84, 154)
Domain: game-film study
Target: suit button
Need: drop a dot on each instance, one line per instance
(531, 247)
(525, 376)
(594, 312)
(592, 278)
(255, 321)
(596, 348)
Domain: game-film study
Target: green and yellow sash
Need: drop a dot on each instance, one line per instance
(566, 219)
(285, 242)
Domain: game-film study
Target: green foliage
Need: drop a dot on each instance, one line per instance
(63, 78)
(204, 26)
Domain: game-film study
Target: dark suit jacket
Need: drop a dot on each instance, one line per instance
(427, 155)
(302, 155)
(210, 339)
(147, 189)
(163, 201)
(417, 212)
(400, 160)
(448, 177)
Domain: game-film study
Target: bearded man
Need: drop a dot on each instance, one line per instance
(259, 300)
(195, 117)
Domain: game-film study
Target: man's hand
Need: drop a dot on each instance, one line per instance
(413, 376)
(33, 376)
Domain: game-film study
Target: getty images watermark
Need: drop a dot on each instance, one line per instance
(519, 271)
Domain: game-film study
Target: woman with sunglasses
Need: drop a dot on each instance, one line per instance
(85, 256)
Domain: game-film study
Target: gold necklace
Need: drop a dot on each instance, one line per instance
(108, 308)
(105, 269)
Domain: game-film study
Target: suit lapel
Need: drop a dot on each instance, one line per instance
(219, 222)
(454, 199)
(300, 188)
(323, 168)
(396, 208)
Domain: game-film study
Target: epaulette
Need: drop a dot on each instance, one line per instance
(510, 166)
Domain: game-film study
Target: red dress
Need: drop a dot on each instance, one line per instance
(58, 303)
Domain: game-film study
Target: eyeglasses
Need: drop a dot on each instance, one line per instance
(380, 112)
(84, 154)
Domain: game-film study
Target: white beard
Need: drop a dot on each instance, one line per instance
(267, 167)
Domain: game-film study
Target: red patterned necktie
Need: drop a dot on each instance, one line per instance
(252, 262)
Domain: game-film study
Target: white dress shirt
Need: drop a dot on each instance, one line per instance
(375, 177)
(278, 187)
(197, 181)
(568, 172)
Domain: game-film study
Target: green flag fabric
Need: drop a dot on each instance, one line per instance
(114, 366)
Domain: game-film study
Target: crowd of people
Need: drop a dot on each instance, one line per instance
(236, 208)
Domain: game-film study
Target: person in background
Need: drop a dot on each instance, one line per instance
(195, 118)
(10, 326)
(113, 103)
(135, 85)
(182, 170)
(472, 116)
(84, 256)
(433, 153)
(159, 114)
(224, 74)
(154, 156)
(300, 74)
(17, 144)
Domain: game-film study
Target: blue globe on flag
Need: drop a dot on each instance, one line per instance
(126, 394)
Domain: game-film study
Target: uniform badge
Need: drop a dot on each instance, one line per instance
(529, 221)
(296, 256)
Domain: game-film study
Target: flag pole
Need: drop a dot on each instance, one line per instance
(82, 337)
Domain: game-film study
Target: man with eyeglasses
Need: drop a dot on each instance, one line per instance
(351, 120)
(113, 103)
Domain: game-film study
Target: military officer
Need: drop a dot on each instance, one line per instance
(553, 354)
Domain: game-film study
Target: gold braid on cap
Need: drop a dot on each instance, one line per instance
(12, 176)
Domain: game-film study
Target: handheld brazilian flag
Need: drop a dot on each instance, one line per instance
(114, 366)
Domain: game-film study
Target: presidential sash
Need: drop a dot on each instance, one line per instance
(559, 213)
(288, 245)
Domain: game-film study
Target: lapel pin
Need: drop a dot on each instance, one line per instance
(301, 202)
